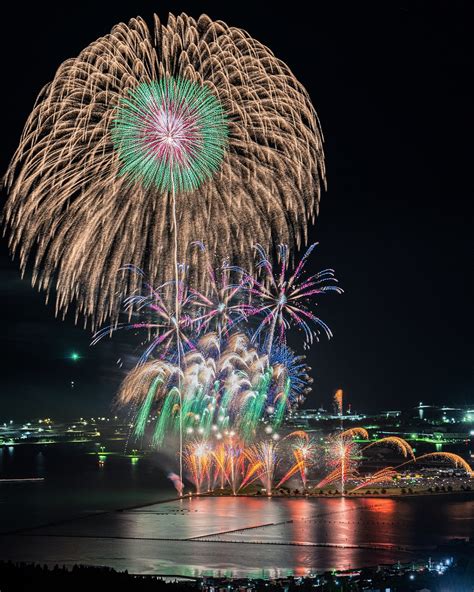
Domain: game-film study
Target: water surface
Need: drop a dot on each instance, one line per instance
(82, 513)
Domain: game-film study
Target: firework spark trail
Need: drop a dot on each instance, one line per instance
(145, 409)
(333, 476)
(177, 287)
(304, 456)
(90, 183)
(236, 466)
(219, 457)
(299, 466)
(303, 452)
(299, 434)
(338, 475)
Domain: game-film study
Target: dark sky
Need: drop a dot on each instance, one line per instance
(392, 86)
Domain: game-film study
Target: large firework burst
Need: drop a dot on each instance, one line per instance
(223, 385)
(193, 108)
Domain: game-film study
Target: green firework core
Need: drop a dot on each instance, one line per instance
(171, 134)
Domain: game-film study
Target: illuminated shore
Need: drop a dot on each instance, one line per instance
(385, 492)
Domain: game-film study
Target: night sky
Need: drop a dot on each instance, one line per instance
(392, 87)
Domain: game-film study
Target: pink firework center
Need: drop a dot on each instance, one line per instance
(171, 132)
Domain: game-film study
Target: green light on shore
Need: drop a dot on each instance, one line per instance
(75, 356)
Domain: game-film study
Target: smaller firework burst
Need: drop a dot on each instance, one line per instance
(167, 326)
(296, 370)
(283, 299)
(229, 462)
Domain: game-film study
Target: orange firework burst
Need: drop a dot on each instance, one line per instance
(219, 456)
(297, 434)
(262, 462)
(381, 476)
(303, 448)
(197, 458)
(228, 459)
(338, 475)
(356, 433)
(341, 455)
(393, 441)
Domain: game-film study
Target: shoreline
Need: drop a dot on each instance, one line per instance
(362, 495)
(192, 495)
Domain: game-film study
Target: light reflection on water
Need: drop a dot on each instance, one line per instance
(220, 536)
(250, 536)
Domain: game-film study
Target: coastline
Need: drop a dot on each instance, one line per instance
(327, 495)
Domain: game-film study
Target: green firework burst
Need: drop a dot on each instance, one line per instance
(171, 134)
